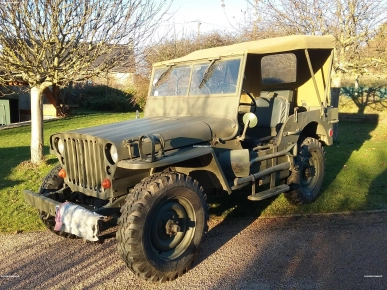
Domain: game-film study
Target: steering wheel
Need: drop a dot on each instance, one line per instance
(253, 104)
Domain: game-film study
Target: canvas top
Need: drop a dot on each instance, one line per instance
(270, 45)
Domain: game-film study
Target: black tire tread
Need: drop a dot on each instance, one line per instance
(129, 231)
(52, 182)
(295, 195)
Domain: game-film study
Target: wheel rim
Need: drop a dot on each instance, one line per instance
(309, 173)
(178, 215)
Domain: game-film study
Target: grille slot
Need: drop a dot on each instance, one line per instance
(84, 161)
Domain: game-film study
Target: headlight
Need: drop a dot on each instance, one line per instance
(60, 146)
(113, 153)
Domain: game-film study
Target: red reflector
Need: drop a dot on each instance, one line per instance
(330, 132)
(106, 183)
(62, 173)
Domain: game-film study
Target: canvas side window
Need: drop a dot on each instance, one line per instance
(279, 68)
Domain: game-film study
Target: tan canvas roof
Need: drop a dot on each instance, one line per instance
(270, 45)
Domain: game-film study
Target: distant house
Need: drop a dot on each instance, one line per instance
(17, 107)
(9, 111)
(14, 107)
(118, 77)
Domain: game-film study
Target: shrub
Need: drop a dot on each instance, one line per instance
(103, 98)
(139, 91)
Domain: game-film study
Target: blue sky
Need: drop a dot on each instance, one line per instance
(210, 13)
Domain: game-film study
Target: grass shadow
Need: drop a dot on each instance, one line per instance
(351, 138)
(10, 158)
(363, 97)
(377, 192)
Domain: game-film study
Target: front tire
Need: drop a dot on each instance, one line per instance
(52, 182)
(162, 226)
(306, 179)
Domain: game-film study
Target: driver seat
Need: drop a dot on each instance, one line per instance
(272, 111)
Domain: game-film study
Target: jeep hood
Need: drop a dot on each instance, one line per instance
(176, 132)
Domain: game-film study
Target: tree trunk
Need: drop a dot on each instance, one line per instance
(36, 125)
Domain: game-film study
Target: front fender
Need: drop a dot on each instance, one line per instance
(186, 160)
(170, 157)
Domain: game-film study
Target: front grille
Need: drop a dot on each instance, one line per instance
(84, 160)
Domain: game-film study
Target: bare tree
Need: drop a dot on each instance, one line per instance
(375, 53)
(53, 42)
(354, 23)
(173, 47)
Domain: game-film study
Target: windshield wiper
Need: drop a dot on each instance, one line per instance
(207, 73)
(167, 71)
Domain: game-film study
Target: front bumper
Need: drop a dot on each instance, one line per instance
(69, 217)
(40, 202)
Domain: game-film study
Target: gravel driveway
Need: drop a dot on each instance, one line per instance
(306, 252)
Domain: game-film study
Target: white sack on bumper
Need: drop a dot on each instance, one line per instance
(74, 219)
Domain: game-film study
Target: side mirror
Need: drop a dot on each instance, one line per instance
(250, 119)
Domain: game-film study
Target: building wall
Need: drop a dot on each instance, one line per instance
(115, 80)
(24, 105)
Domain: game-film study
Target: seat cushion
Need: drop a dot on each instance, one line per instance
(271, 111)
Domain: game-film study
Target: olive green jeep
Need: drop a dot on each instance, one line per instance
(245, 115)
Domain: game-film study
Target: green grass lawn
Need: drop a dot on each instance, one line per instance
(17, 174)
(356, 173)
(355, 177)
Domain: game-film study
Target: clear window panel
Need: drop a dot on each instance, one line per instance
(171, 81)
(217, 77)
(279, 68)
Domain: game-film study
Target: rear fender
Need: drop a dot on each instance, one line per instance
(306, 124)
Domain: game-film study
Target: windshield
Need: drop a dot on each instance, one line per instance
(219, 77)
(172, 81)
(215, 77)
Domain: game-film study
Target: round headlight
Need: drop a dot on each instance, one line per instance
(60, 146)
(113, 153)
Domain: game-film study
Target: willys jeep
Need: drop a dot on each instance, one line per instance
(253, 115)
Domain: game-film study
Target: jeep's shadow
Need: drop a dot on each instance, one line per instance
(236, 212)
(337, 155)
(237, 205)
(377, 192)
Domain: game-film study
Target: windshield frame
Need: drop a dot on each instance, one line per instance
(209, 63)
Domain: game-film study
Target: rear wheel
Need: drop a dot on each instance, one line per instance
(162, 226)
(307, 177)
